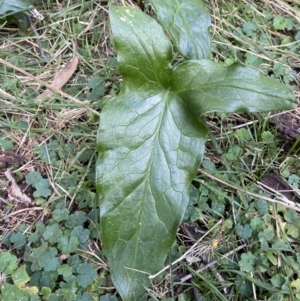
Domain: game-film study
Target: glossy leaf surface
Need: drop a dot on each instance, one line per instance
(151, 142)
(207, 86)
(150, 146)
(187, 22)
(15, 12)
(13, 6)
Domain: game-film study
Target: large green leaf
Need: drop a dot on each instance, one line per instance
(13, 6)
(15, 12)
(151, 141)
(150, 146)
(187, 23)
(207, 86)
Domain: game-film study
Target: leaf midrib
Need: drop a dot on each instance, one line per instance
(220, 84)
(148, 173)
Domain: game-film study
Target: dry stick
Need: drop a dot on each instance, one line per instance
(16, 191)
(187, 252)
(212, 263)
(253, 287)
(38, 41)
(218, 275)
(23, 210)
(61, 93)
(285, 202)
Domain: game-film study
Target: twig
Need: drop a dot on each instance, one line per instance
(212, 263)
(187, 252)
(253, 287)
(23, 210)
(205, 260)
(38, 41)
(15, 191)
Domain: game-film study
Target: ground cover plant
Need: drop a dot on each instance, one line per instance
(238, 241)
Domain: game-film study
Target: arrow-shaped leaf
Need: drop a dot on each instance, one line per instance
(151, 141)
(150, 146)
(187, 22)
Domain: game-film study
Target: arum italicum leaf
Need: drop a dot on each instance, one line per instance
(13, 6)
(151, 142)
(150, 146)
(187, 22)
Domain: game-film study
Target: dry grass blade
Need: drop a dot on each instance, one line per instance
(73, 99)
(212, 263)
(283, 6)
(189, 251)
(17, 212)
(283, 200)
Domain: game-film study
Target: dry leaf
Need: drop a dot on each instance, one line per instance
(9, 158)
(275, 183)
(14, 191)
(61, 78)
